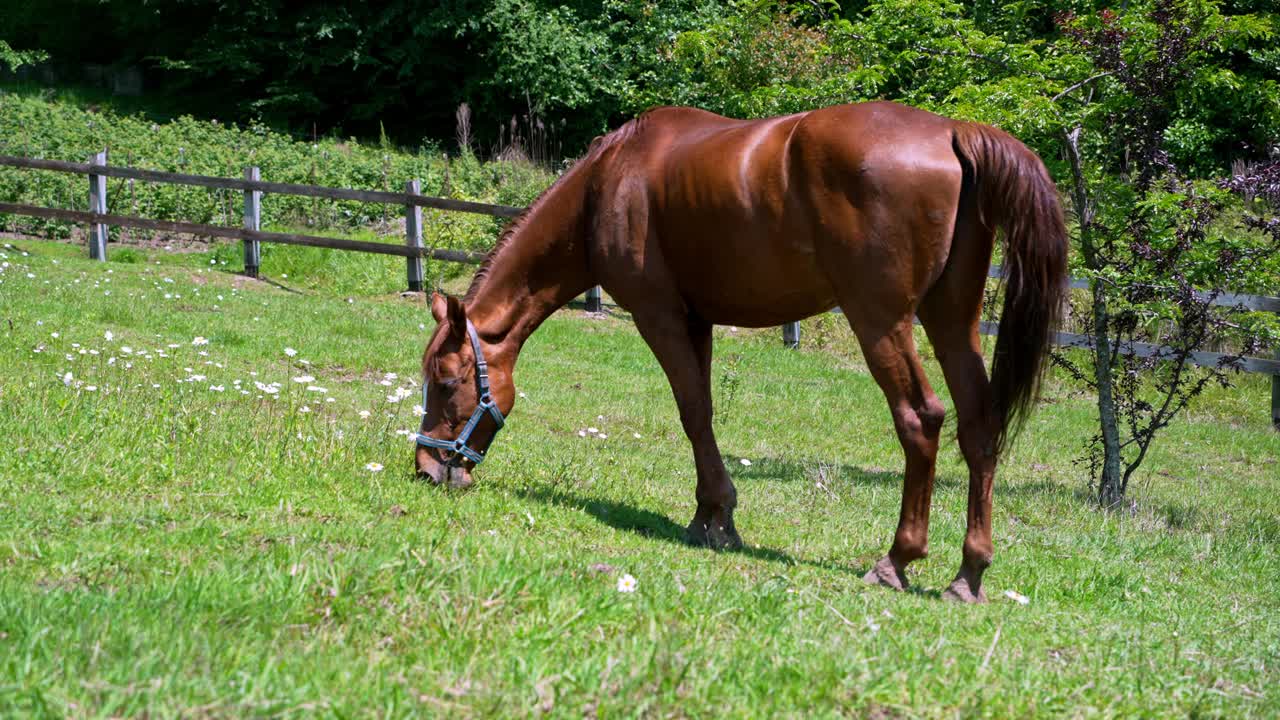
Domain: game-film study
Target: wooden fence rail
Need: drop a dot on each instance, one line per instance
(253, 187)
(93, 218)
(100, 168)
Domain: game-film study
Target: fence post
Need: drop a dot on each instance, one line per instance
(594, 303)
(252, 221)
(413, 236)
(791, 335)
(1275, 398)
(98, 204)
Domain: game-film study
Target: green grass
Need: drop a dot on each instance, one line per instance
(179, 551)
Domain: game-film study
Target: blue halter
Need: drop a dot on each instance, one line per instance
(460, 447)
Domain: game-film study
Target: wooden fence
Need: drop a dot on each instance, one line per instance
(413, 250)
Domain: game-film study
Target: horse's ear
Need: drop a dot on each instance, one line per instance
(446, 308)
(457, 316)
(439, 307)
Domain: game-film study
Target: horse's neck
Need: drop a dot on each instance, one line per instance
(537, 270)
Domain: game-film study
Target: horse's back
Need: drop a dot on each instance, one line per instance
(750, 215)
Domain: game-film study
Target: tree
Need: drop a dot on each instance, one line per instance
(1114, 103)
(1151, 241)
(757, 59)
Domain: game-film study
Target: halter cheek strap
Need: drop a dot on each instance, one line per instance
(461, 446)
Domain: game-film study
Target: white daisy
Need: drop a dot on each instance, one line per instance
(1017, 597)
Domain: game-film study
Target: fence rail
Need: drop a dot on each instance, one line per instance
(1259, 303)
(330, 193)
(253, 187)
(1203, 358)
(94, 218)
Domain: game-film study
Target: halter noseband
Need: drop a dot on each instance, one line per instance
(460, 447)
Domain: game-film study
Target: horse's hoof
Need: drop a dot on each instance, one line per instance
(887, 574)
(714, 535)
(961, 591)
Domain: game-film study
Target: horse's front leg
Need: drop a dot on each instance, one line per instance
(682, 344)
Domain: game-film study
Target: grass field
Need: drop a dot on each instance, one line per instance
(176, 540)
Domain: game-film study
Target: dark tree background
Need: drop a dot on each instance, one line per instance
(581, 66)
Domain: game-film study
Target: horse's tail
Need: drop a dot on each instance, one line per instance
(1015, 194)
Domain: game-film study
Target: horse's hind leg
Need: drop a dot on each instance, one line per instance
(917, 416)
(970, 391)
(950, 314)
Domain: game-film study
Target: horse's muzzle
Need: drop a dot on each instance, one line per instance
(437, 471)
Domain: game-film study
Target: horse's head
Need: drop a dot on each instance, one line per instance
(460, 397)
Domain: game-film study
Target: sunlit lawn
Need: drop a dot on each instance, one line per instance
(193, 528)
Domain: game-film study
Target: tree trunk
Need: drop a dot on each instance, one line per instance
(1111, 480)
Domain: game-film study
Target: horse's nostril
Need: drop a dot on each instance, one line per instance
(428, 467)
(459, 477)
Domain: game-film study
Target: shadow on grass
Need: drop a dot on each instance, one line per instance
(647, 523)
(778, 470)
(787, 471)
(652, 525)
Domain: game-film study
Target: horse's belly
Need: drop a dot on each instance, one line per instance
(750, 281)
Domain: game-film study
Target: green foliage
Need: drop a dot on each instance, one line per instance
(546, 55)
(127, 255)
(11, 59)
(761, 58)
(583, 66)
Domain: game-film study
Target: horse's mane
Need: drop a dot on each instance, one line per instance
(597, 148)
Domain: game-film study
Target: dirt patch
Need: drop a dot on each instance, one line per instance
(168, 242)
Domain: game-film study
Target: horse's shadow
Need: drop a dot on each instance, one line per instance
(785, 471)
(659, 527)
(645, 523)
(649, 524)
(777, 470)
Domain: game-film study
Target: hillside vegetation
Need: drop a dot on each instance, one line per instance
(41, 125)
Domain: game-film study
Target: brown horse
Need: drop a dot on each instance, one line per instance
(689, 219)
